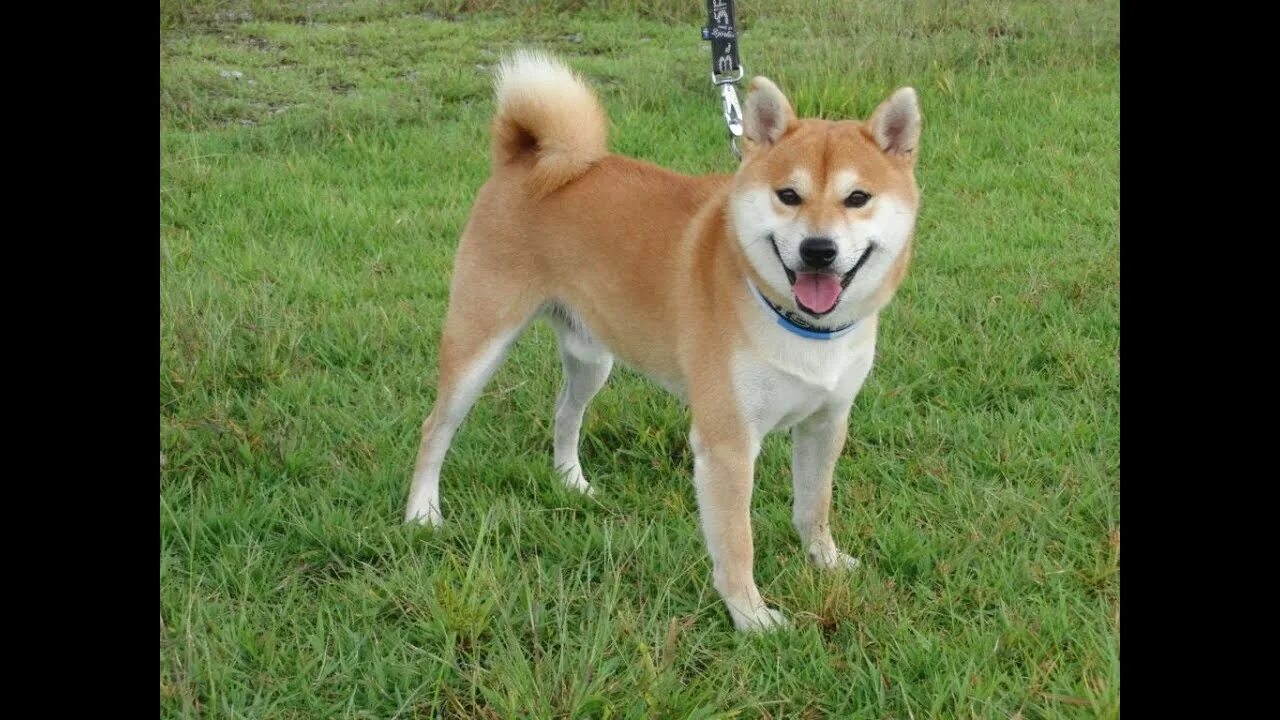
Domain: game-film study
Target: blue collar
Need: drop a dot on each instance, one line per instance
(793, 323)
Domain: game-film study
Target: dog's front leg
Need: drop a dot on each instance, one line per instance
(723, 477)
(816, 444)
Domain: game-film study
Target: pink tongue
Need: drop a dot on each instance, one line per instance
(816, 291)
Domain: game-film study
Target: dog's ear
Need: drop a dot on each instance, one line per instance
(768, 116)
(895, 125)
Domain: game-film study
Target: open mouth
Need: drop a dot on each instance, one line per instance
(818, 293)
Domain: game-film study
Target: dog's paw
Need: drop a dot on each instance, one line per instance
(427, 516)
(759, 619)
(575, 480)
(828, 558)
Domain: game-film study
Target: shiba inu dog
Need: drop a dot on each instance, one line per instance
(754, 297)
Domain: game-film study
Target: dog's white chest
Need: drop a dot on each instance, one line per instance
(783, 378)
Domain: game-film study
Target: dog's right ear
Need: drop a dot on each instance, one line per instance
(767, 117)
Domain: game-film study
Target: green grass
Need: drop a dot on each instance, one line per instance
(309, 209)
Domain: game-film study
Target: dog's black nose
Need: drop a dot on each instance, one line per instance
(818, 252)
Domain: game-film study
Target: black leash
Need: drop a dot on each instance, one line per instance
(722, 31)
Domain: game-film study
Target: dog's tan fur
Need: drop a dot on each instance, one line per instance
(647, 265)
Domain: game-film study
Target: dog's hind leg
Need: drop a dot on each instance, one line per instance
(486, 316)
(586, 368)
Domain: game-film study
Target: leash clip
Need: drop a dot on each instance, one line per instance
(732, 109)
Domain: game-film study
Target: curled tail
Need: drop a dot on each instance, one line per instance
(547, 116)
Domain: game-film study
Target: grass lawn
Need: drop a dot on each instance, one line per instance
(317, 164)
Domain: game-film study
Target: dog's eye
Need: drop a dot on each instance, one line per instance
(856, 199)
(788, 196)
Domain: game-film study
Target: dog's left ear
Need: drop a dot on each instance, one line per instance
(768, 116)
(895, 125)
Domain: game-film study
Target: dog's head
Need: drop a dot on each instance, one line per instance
(825, 211)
